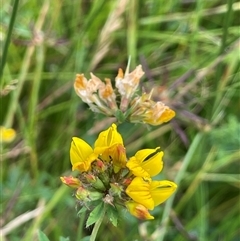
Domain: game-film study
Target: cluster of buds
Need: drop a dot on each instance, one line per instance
(108, 180)
(123, 101)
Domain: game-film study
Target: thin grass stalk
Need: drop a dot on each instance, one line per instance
(225, 93)
(9, 34)
(16, 94)
(24, 70)
(197, 180)
(160, 233)
(194, 36)
(179, 16)
(203, 207)
(32, 122)
(132, 31)
(227, 22)
(81, 51)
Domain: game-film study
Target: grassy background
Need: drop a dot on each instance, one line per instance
(189, 49)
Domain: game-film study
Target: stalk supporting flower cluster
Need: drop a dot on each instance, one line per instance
(123, 102)
(107, 178)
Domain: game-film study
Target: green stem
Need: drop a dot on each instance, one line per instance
(97, 226)
(8, 39)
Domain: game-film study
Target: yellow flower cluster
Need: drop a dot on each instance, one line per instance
(107, 175)
(102, 98)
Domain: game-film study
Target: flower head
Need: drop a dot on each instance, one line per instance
(108, 176)
(101, 97)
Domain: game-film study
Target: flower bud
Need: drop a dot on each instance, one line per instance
(115, 189)
(71, 181)
(138, 210)
(95, 182)
(82, 194)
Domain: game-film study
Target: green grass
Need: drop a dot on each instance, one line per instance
(189, 48)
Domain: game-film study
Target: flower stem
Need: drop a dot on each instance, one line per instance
(97, 226)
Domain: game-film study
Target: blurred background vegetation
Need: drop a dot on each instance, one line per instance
(189, 50)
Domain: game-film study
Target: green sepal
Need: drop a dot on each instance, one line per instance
(104, 177)
(98, 184)
(95, 214)
(120, 116)
(94, 195)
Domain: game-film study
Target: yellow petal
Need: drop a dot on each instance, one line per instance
(158, 114)
(135, 167)
(139, 191)
(138, 210)
(117, 155)
(146, 162)
(81, 155)
(167, 115)
(107, 138)
(162, 190)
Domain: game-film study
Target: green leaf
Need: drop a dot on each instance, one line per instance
(82, 210)
(112, 215)
(42, 236)
(95, 214)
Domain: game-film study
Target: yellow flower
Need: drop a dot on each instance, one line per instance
(88, 90)
(127, 85)
(148, 111)
(81, 155)
(158, 114)
(7, 134)
(150, 193)
(116, 154)
(146, 162)
(107, 139)
(101, 97)
(138, 210)
(107, 176)
(109, 146)
(106, 93)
